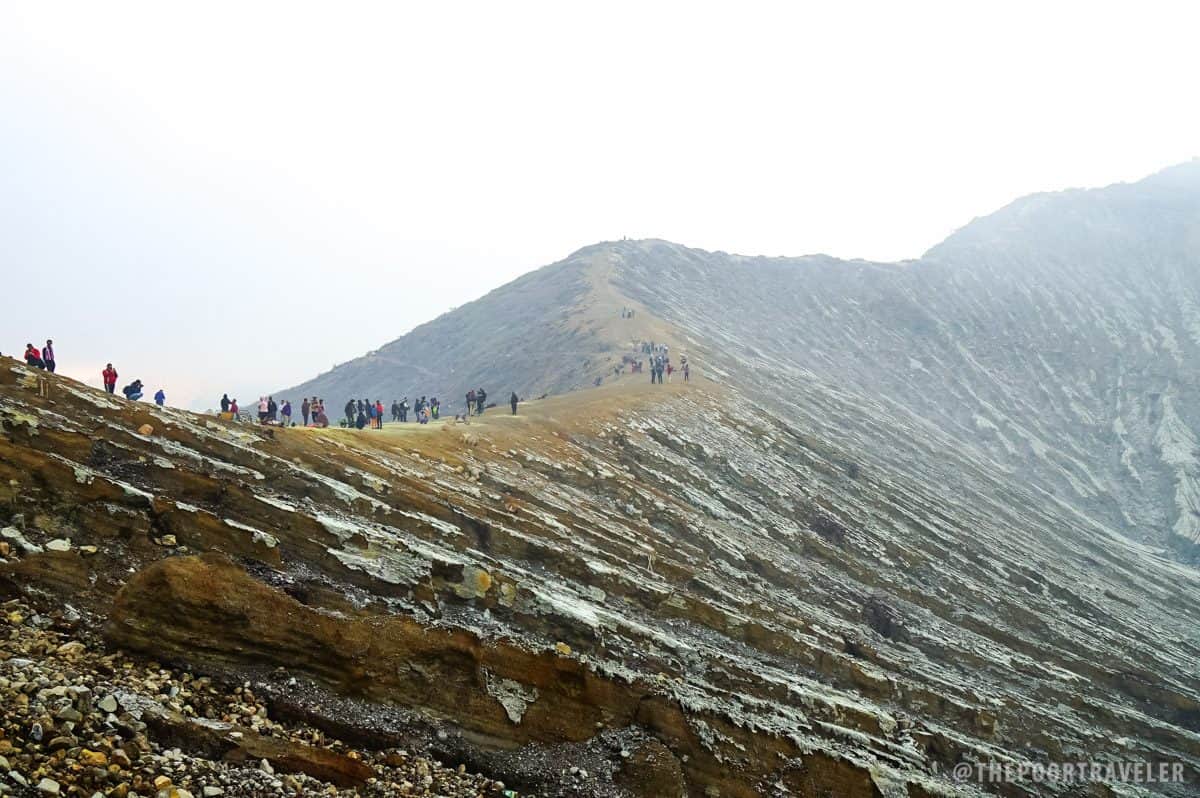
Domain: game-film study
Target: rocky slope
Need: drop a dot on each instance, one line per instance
(624, 591)
(1055, 338)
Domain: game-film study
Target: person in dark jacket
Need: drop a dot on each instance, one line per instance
(160, 398)
(361, 421)
(133, 391)
(480, 398)
(404, 409)
(512, 400)
(272, 410)
(304, 408)
(286, 412)
(48, 355)
(351, 412)
(224, 403)
(470, 401)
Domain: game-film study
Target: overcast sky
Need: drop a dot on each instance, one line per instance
(236, 196)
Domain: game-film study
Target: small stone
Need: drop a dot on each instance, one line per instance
(36, 733)
(168, 540)
(62, 743)
(212, 792)
(72, 649)
(146, 429)
(265, 767)
(120, 791)
(107, 704)
(17, 778)
(48, 787)
(70, 714)
(59, 544)
(95, 759)
(162, 782)
(88, 550)
(563, 649)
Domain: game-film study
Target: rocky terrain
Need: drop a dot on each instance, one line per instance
(903, 518)
(1056, 338)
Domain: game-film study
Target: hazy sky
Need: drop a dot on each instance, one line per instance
(236, 196)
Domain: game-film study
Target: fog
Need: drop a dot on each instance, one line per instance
(233, 198)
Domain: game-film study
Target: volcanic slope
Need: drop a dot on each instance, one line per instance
(677, 590)
(1056, 338)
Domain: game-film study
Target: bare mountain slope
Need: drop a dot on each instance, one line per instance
(1056, 337)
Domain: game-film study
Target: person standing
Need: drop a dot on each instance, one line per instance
(233, 409)
(224, 403)
(404, 410)
(378, 414)
(470, 401)
(272, 410)
(110, 378)
(480, 398)
(48, 355)
(304, 408)
(286, 412)
(262, 410)
(512, 400)
(160, 398)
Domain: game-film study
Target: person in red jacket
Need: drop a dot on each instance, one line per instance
(33, 357)
(378, 414)
(110, 378)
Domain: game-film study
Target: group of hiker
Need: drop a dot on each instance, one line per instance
(659, 361)
(272, 413)
(40, 359)
(361, 413)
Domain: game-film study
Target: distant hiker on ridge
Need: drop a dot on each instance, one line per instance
(512, 400)
(304, 408)
(160, 398)
(350, 412)
(470, 401)
(224, 403)
(48, 355)
(133, 391)
(33, 357)
(286, 412)
(110, 378)
(480, 398)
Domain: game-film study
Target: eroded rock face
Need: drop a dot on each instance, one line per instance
(714, 587)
